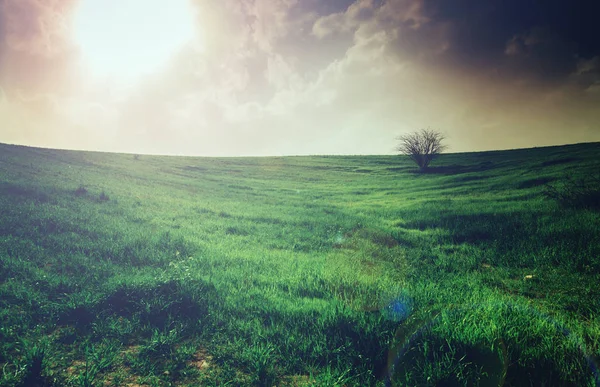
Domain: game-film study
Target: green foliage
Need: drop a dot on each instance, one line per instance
(326, 271)
(98, 358)
(259, 358)
(329, 377)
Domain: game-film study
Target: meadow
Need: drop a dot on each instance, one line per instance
(126, 270)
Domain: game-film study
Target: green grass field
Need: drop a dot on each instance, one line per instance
(118, 270)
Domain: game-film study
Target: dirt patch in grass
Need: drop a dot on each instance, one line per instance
(297, 381)
(379, 238)
(202, 360)
(131, 350)
(75, 367)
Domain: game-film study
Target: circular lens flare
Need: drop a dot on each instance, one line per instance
(493, 360)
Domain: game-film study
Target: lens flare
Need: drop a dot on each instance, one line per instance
(398, 309)
(492, 359)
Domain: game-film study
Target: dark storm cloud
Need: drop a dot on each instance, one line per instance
(484, 25)
(542, 41)
(526, 41)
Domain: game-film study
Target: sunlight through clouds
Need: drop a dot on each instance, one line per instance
(264, 77)
(126, 39)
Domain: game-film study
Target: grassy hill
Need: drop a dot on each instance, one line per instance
(292, 271)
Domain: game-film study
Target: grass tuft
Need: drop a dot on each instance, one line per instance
(103, 197)
(81, 191)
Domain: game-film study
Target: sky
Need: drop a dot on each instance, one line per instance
(297, 77)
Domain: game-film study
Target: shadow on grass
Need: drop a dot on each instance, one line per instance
(572, 193)
(559, 161)
(536, 182)
(23, 193)
(455, 169)
(422, 355)
(473, 229)
(517, 239)
(448, 363)
(154, 305)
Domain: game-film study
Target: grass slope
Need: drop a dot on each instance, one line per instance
(291, 271)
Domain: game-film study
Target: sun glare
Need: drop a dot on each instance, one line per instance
(126, 39)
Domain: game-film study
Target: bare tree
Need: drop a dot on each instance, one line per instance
(422, 146)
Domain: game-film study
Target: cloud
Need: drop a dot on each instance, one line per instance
(36, 27)
(538, 56)
(345, 21)
(507, 41)
(407, 66)
(281, 74)
(587, 75)
(270, 21)
(36, 52)
(306, 77)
